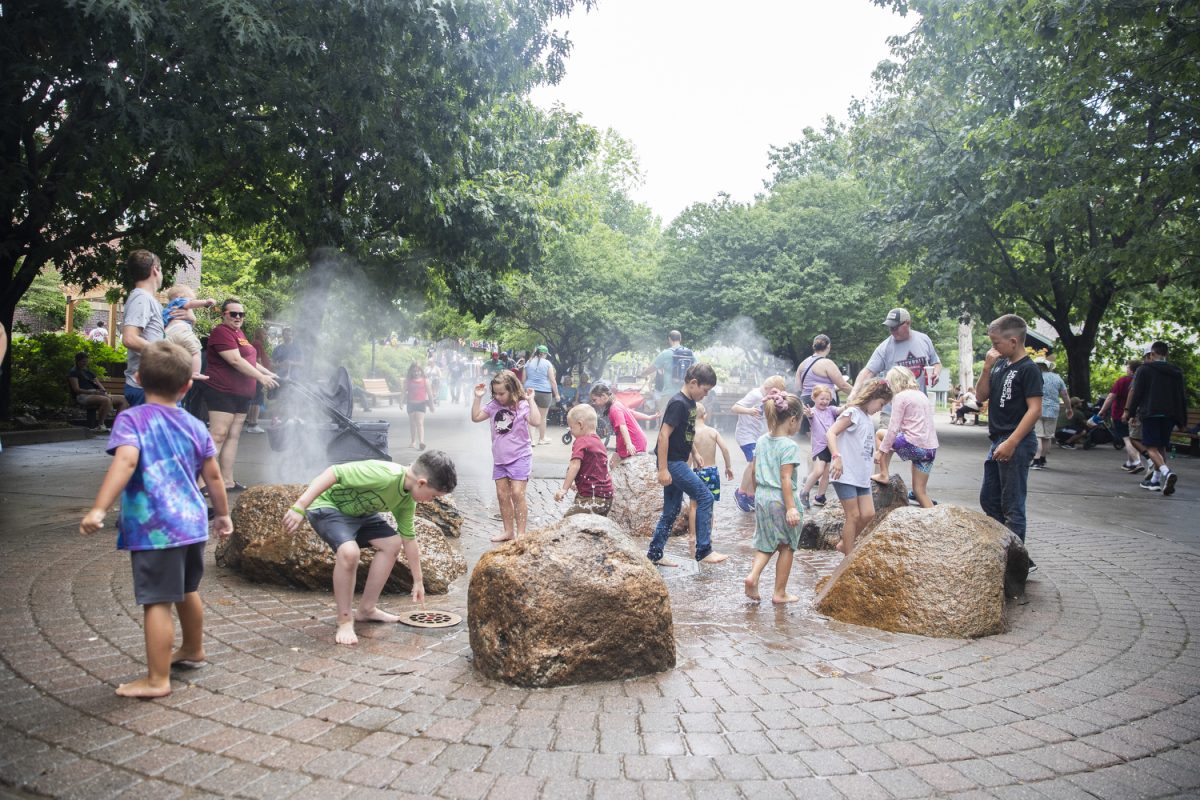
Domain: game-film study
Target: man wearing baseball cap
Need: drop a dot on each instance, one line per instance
(903, 348)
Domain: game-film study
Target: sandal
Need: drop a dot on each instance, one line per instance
(237, 487)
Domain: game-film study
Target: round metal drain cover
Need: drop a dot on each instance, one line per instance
(430, 619)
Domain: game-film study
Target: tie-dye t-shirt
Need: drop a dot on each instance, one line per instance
(161, 506)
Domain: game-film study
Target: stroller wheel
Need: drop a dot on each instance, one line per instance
(567, 437)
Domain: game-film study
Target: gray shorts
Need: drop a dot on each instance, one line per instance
(165, 576)
(336, 528)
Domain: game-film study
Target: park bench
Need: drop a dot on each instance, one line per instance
(377, 389)
(114, 386)
(1190, 436)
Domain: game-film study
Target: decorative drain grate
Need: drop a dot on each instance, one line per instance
(430, 619)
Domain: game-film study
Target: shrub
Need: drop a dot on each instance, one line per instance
(40, 364)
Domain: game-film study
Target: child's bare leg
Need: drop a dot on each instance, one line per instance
(920, 484)
(849, 527)
(760, 563)
(815, 473)
(885, 464)
(747, 486)
(191, 621)
(504, 495)
(345, 571)
(520, 506)
(824, 487)
(160, 636)
(387, 550)
(783, 571)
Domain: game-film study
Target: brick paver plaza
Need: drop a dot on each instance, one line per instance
(1093, 692)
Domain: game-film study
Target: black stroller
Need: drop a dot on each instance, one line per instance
(604, 429)
(320, 415)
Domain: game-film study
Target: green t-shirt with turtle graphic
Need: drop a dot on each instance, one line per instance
(368, 487)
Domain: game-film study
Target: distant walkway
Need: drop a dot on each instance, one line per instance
(1093, 692)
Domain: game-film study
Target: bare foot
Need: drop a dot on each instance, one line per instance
(345, 633)
(144, 689)
(841, 548)
(881, 479)
(188, 659)
(663, 562)
(713, 558)
(752, 589)
(505, 537)
(375, 615)
(787, 598)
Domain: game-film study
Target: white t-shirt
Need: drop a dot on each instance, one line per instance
(749, 427)
(856, 446)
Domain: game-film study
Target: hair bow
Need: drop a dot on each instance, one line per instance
(778, 398)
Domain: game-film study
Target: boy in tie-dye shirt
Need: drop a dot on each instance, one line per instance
(158, 449)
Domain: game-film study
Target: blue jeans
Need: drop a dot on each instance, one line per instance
(683, 481)
(135, 395)
(1002, 494)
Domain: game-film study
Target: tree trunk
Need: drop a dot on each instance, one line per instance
(966, 352)
(1079, 365)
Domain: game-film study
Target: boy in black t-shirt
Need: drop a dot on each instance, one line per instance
(1012, 385)
(674, 448)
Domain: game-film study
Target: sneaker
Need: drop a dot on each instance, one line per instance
(1129, 467)
(744, 501)
(819, 500)
(805, 500)
(1136, 468)
(1037, 464)
(1032, 567)
(1066, 446)
(1151, 483)
(253, 429)
(1169, 484)
(100, 429)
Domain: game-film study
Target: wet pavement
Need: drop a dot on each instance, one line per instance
(1093, 691)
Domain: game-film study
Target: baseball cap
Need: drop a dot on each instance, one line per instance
(1148, 349)
(897, 317)
(495, 354)
(541, 348)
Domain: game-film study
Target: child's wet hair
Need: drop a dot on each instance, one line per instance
(165, 368)
(779, 407)
(584, 415)
(511, 383)
(600, 389)
(775, 382)
(874, 389)
(437, 469)
(702, 374)
(822, 389)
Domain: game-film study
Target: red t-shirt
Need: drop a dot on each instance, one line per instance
(221, 374)
(592, 480)
(619, 415)
(418, 390)
(1119, 391)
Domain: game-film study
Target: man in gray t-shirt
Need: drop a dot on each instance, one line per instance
(904, 348)
(143, 321)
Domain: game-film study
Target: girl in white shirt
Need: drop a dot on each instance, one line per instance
(852, 452)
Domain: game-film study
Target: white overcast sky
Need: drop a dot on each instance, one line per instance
(702, 88)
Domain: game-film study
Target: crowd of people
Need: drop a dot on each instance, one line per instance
(159, 450)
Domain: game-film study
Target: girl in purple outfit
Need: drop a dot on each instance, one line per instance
(821, 418)
(512, 411)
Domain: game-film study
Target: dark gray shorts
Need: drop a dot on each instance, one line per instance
(336, 528)
(165, 576)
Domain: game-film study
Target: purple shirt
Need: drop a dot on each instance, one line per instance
(822, 420)
(510, 432)
(161, 506)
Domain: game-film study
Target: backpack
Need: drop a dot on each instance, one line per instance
(681, 362)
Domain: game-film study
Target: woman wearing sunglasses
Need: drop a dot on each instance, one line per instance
(233, 378)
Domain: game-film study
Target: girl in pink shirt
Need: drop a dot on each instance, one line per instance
(910, 433)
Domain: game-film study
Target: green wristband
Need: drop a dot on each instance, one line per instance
(298, 510)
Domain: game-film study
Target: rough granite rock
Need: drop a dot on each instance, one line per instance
(637, 495)
(572, 602)
(941, 571)
(443, 512)
(260, 550)
(822, 526)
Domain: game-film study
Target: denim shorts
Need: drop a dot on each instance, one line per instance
(748, 450)
(845, 491)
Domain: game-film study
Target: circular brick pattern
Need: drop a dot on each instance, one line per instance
(1092, 691)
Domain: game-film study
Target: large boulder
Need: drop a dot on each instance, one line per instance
(260, 550)
(941, 571)
(443, 512)
(822, 526)
(637, 495)
(572, 602)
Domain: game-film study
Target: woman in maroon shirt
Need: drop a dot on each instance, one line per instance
(233, 378)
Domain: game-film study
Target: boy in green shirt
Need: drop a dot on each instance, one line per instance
(342, 504)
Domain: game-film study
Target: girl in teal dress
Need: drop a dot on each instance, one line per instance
(776, 495)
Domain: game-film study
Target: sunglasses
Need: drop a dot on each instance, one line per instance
(236, 314)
